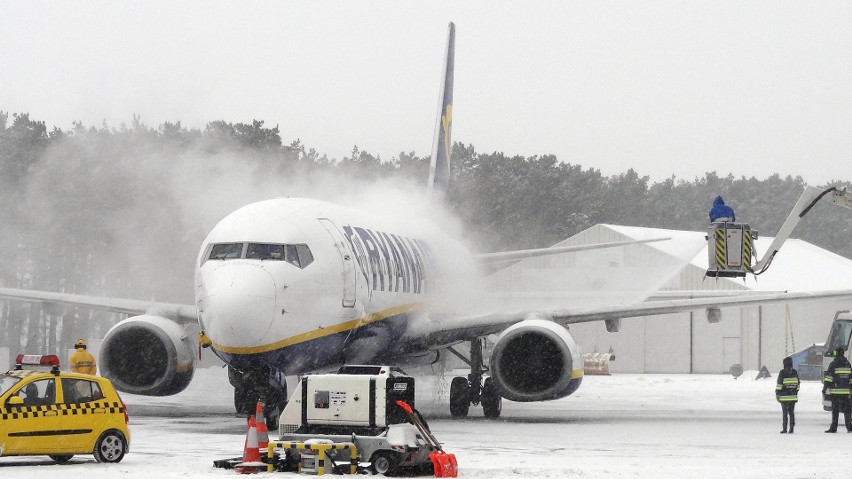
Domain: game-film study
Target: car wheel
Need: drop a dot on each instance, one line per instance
(384, 462)
(110, 447)
(61, 458)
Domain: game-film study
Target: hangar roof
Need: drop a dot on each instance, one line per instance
(798, 266)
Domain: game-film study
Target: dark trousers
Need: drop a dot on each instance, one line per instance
(788, 409)
(840, 404)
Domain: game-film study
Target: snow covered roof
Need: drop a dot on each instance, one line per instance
(798, 266)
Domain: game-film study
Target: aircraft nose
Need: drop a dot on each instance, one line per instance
(238, 302)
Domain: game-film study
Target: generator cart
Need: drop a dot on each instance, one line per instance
(357, 405)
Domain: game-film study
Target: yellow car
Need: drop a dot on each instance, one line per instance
(60, 414)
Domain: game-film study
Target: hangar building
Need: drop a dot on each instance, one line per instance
(684, 342)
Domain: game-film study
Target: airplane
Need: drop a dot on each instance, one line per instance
(289, 286)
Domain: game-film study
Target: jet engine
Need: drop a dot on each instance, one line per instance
(533, 360)
(148, 355)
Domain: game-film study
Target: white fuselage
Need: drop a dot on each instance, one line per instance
(301, 284)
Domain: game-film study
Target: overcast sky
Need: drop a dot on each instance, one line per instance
(664, 87)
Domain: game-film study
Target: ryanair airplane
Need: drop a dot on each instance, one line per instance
(291, 285)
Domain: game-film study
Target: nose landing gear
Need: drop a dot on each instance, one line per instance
(259, 385)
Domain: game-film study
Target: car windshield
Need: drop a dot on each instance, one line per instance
(6, 383)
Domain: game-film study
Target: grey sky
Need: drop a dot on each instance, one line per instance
(665, 87)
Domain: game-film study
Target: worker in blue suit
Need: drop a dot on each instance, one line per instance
(721, 212)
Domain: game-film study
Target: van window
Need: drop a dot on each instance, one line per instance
(839, 336)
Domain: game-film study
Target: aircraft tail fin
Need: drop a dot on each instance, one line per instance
(439, 170)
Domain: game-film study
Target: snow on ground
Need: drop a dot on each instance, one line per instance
(623, 425)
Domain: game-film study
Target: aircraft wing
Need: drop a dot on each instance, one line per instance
(444, 330)
(505, 256)
(181, 313)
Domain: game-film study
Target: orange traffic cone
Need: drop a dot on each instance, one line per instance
(260, 421)
(251, 456)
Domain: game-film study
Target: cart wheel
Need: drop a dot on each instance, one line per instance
(426, 469)
(459, 397)
(289, 462)
(61, 458)
(492, 402)
(384, 462)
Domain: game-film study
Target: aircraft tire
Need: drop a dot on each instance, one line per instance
(459, 397)
(492, 402)
(275, 404)
(243, 402)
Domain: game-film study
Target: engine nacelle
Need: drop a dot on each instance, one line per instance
(148, 355)
(534, 360)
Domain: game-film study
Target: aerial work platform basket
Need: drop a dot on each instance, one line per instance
(730, 249)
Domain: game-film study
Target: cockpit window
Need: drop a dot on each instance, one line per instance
(265, 251)
(226, 251)
(293, 256)
(298, 255)
(305, 255)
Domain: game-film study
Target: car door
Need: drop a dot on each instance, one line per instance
(85, 413)
(35, 426)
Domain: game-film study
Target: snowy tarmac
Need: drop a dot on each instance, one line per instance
(622, 425)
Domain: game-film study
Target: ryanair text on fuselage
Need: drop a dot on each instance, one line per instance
(390, 262)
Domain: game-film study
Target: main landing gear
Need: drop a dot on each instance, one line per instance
(473, 390)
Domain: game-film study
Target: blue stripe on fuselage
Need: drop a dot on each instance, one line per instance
(329, 351)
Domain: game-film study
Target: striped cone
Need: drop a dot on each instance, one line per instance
(260, 421)
(251, 456)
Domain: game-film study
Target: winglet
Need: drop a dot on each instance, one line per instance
(439, 170)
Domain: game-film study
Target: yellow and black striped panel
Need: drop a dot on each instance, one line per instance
(721, 247)
(748, 247)
(29, 412)
(301, 445)
(321, 448)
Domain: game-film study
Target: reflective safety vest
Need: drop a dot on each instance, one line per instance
(83, 362)
(787, 389)
(837, 377)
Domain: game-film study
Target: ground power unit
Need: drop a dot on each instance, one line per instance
(359, 405)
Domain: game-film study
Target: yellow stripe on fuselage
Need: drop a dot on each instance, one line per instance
(321, 332)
